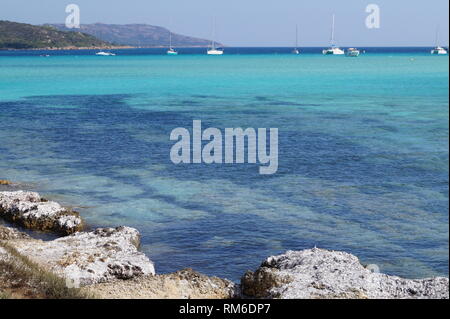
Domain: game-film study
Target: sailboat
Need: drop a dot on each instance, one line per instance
(438, 49)
(333, 50)
(171, 50)
(214, 50)
(296, 50)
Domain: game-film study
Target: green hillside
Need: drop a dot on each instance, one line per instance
(15, 35)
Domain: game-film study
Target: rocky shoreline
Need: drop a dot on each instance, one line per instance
(107, 263)
(106, 47)
(119, 47)
(324, 274)
(30, 210)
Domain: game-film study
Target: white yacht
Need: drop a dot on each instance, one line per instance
(171, 50)
(352, 52)
(296, 50)
(214, 50)
(438, 49)
(333, 50)
(102, 53)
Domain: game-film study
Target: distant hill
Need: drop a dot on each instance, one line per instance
(139, 35)
(15, 35)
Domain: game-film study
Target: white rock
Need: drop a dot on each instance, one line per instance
(90, 257)
(29, 210)
(319, 273)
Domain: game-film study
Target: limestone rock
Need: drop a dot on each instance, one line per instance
(88, 258)
(184, 284)
(319, 273)
(29, 210)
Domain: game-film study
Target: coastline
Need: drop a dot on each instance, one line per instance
(72, 48)
(107, 263)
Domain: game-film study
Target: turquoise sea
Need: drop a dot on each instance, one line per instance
(363, 151)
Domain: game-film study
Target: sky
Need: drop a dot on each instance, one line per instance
(258, 22)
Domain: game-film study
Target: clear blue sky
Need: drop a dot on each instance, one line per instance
(257, 22)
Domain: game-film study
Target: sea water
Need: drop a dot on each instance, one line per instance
(363, 151)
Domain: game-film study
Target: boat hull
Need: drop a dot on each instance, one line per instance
(214, 52)
(105, 54)
(333, 52)
(353, 53)
(439, 52)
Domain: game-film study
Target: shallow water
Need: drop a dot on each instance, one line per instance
(363, 163)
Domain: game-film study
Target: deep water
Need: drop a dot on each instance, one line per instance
(363, 162)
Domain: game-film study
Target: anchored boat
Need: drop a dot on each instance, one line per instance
(438, 50)
(333, 50)
(352, 52)
(296, 50)
(171, 50)
(101, 53)
(214, 50)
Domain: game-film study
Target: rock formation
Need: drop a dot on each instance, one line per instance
(88, 258)
(99, 260)
(29, 210)
(319, 273)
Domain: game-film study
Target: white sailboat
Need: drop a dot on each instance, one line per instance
(296, 50)
(438, 50)
(333, 50)
(214, 50)
(171, 50)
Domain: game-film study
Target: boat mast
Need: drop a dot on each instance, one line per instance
(437, 36)
(170, 35)
(332, 32)
(213, 43)
(296, 36)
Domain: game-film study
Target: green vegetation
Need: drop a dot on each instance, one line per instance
(15, 35)
(25, 279)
